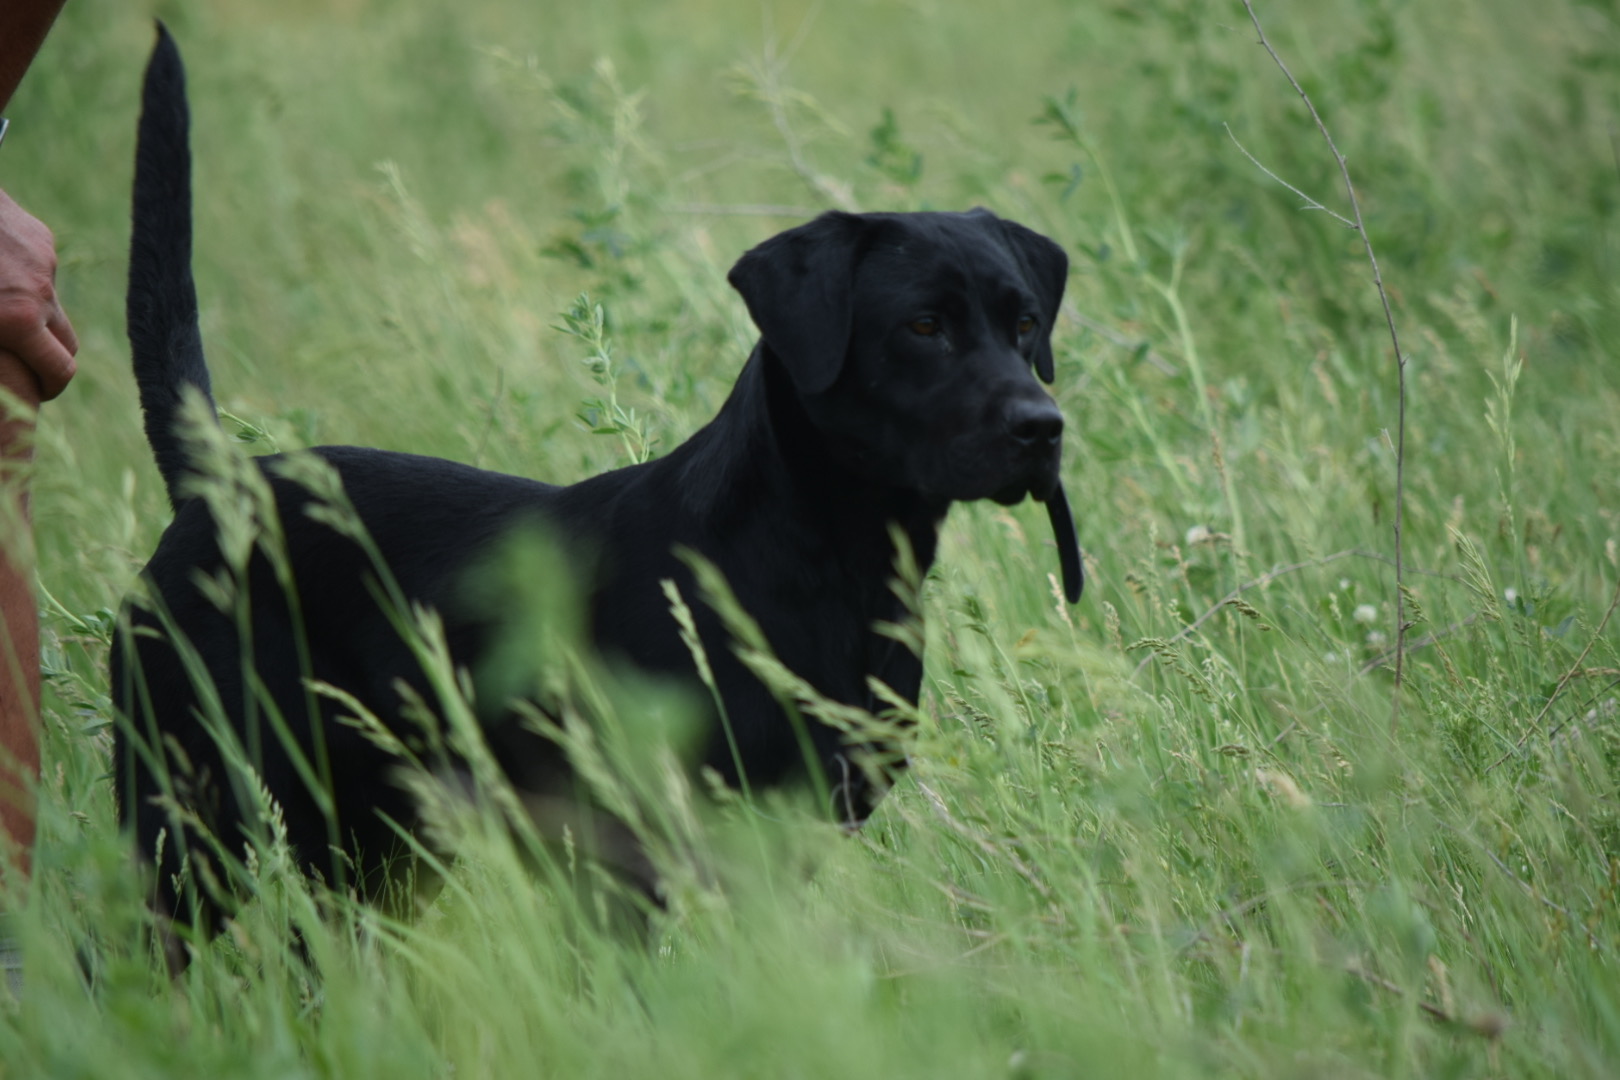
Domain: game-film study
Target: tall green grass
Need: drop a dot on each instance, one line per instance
(1124, 849)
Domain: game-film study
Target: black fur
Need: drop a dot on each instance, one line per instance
(853, 415)
(161, 305)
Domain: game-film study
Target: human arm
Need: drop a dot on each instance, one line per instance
(36, 360)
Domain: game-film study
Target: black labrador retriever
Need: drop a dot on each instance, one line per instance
(895, 375)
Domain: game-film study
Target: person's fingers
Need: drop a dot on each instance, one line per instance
(55, 368)
(45, 356)
(33, 327)
(36, 330)
(60, 326)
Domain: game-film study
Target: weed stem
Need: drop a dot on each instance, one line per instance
(1400, 360)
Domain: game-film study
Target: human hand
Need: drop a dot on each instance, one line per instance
(33, 327)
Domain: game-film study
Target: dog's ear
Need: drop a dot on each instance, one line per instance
(1046, 269)
(798, 286)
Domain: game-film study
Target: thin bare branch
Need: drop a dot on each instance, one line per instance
(1400, 363)
(1433, 1011)
(1421, 643)
(985, 845)
(1574, 669)
(775, 95)
(1584, 714)
(1310, 203)
(1572, 918)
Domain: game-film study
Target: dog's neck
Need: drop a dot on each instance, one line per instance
(763, 440)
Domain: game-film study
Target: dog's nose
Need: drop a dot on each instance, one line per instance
(1035, 424)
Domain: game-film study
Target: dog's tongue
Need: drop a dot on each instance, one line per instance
(1068, 544)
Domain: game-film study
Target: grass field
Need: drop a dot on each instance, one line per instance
(1127, 849)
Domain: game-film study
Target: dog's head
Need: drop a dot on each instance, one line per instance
(913, 342)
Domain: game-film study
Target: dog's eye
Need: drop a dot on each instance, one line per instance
(927, 326)
(1026, 325)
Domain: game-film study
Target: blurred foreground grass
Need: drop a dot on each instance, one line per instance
(1125, 851)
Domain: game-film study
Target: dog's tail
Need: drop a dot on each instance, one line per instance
(161, 307)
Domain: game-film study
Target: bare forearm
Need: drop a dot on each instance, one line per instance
(36, 351)
(19, 627)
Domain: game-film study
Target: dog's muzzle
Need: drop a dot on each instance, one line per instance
(1034, 450)
(1036, 431)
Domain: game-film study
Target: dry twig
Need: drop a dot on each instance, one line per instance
(1574, 669)
(1585, 714)
(1421, 643)
(1310, 203)
(769, 86)
(985, 845)
(1433, 1011)
(1400, 357)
